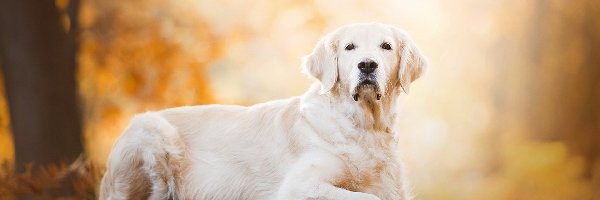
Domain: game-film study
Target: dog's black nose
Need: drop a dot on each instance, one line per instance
(367, 66)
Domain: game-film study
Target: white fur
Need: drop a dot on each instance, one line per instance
(322, 145)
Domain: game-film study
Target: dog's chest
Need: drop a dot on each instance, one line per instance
(364, 164)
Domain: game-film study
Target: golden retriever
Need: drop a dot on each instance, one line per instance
(336, 141)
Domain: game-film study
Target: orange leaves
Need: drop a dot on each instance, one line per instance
(137, 56)
(78, 180)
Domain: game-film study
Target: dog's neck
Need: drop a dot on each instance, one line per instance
(367, 113)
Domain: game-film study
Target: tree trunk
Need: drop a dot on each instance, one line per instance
(38, 58)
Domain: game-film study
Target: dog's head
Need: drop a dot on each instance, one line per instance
(365, 61)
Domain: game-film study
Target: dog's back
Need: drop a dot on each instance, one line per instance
(216, 143)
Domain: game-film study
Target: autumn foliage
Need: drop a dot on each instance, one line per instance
(77, 180)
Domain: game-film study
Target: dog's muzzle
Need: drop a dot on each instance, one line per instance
(367, 80)
(366, 84)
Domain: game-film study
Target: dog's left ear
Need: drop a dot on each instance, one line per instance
(412, 63)
(322, 63)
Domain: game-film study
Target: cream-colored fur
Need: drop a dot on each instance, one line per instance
(321, 145)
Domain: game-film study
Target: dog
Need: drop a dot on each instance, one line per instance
(336, 141)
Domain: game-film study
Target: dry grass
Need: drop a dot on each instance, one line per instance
(79, 180)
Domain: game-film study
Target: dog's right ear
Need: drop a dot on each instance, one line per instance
(322, 63)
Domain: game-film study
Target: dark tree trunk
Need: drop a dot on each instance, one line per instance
(38, 59)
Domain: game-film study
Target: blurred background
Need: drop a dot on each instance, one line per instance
(509, 108)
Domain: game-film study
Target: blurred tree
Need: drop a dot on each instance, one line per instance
(547, 94)
(37, 49)
(565, 45)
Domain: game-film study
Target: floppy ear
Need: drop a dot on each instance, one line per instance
(412, 63)
(322, 63)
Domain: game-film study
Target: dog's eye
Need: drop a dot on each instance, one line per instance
(349, 47)
(386, 46)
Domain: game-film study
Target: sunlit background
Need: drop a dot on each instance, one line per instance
(509, 108)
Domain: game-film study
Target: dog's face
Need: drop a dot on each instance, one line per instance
(365, 61)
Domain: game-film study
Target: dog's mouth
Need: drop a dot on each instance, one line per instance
(366, 88)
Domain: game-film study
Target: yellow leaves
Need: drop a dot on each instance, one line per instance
(106, 81)
(543, 170)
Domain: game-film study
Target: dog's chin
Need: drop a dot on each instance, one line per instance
(366, 90)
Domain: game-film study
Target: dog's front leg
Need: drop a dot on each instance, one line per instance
(313, 177)
(321, 191)
(330, 192)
